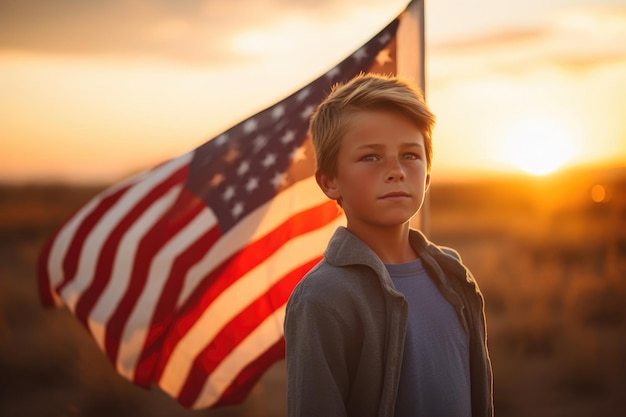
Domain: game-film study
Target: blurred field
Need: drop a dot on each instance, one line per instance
(549, 254)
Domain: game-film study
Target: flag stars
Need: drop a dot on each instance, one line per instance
(221, 139)
(278, 180)
(360, 55)
(307, 112)
(269, 160)
(252, 184)
(246, 166)
(243, 168)
(383, 57)
(229, 193)
(237, 210)
(298, 154)
(289, 136)
(278, 112)
(333, 73)
(216, 180)
(302, 95)
(260, 142)
(231, 155)
(384, 39)
(250, 126)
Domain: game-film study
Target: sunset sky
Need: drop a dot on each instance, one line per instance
(97, 90)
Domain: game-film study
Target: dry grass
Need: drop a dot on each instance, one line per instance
(552, 265)
(551, 262)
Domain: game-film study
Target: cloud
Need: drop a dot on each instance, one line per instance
(581, 39)
(488, 41)
(193, 31)
(181, 30)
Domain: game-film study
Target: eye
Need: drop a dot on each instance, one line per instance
(411, 156)
(369, 158)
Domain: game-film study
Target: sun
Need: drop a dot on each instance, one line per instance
(539, 146)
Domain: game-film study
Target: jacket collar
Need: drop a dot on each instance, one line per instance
(346, 249)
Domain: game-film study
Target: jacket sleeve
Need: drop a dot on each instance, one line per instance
(317, 366)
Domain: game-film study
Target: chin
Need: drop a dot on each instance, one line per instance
(397, 221)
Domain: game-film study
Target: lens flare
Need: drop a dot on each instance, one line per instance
(540, 146)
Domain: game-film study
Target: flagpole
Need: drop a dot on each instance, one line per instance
(411, 55)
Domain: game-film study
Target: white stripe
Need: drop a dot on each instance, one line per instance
(237, 297)
(125, 257)
(62, 243)
(300, 197)
(136, 329)
(92, 246)
(260, 340)
(64, 238)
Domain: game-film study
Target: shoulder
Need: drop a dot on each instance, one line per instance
(450, 252)
(441, 259)
(327, 283)
(346, 283)
(351, 295)
(438, 251)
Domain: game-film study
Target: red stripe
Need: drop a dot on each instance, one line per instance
(43, 276)
(238, 265)
(237, 330)
(250, 375)
(70, 262)
(186, 208)
(106, 257)
(255, 253)
(166, 306)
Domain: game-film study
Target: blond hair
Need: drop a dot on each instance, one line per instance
(366, 92)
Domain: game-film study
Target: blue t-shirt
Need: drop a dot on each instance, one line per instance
(435, 376)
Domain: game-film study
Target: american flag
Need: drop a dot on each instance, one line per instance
(181, 274)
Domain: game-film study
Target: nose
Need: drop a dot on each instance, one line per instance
(395, 171)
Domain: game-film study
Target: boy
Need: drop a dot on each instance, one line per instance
(387, 324)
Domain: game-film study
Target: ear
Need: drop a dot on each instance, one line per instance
(427, 182)
(328, 185)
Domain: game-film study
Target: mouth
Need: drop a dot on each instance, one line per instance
(394, 195)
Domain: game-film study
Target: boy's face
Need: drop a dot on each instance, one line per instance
(381, 171)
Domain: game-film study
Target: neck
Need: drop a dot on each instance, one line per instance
(390, 244)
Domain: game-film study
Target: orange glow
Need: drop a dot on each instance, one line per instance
(539, 146)
(599, 194)
(505, 99)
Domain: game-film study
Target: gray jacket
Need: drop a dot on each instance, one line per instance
(345, 326)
